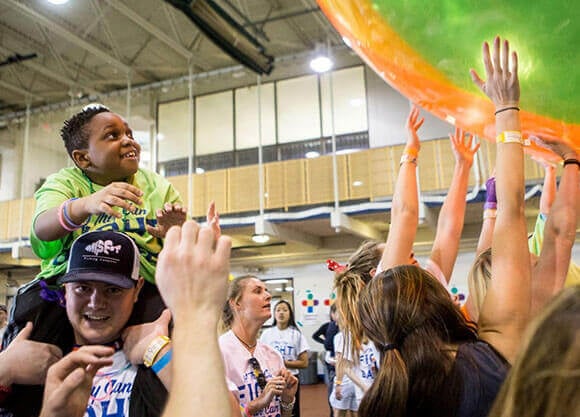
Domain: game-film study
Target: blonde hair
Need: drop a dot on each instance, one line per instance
(545, 378)
(234, 294)
(349, 283)
(478, 281)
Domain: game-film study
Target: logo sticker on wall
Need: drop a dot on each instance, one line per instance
(310, 303)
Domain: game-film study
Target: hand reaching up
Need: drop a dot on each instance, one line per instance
(502, 85)
(192, 271)
(414, 122)
(463, 147)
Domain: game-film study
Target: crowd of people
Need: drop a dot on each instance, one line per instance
(123, 318)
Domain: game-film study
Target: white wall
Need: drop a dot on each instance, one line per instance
(387, 112)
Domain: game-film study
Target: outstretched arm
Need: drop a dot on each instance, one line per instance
(405, 210)
(192, 276)
(549, 273)
(489, 215)
(506, 308)
(451, 217)
(549, 188)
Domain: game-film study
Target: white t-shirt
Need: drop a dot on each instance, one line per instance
(112, 388)
(340, 347)
(241, 374)
(289, 343)
(366, 367)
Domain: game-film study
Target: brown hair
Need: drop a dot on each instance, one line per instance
(478, 280)
(412, 320)
(545, 378)
(234, 294)
(349, 283)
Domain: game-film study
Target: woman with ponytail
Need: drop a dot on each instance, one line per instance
(255, 372)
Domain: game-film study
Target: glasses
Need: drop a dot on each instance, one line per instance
(258, 373)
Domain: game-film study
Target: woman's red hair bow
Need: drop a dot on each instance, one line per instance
(335, 266)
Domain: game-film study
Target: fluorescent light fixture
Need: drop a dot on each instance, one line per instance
(199, 170)
(276, 281)
(357, 183)
(261, 238)
(58, 1)
(228, 34)
(289, 289)
(321, 64)
(312, 154)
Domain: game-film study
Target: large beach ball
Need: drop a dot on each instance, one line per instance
(425, 48)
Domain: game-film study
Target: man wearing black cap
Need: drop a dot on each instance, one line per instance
(101, 285)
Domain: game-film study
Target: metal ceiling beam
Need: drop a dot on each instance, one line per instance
(50, 74)
(19, 90)
(65, 33)
(153, 30)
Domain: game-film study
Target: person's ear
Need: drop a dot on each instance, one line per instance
(81, 158)
(373, 272)
(138, 287)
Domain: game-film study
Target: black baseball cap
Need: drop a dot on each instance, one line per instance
(104, 256)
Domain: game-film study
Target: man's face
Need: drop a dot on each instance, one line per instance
(113, 154)
(97, 311)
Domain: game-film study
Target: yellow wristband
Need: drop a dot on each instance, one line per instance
(153, 350)
(406, 157)
(511, 136)
(489, 214)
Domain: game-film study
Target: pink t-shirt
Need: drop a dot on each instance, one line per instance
(240, 373)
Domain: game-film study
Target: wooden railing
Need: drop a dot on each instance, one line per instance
(365, 175)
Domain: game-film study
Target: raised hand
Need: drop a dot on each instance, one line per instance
(562, 149)
(213, 220)
(69, 381)
(116, 194)
(463, 147)
(502, 85)
(25, 361)
(137, 338)
(192, 271)
(171, 215)
(414, 122)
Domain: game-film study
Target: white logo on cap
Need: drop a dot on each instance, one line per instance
(103, 246)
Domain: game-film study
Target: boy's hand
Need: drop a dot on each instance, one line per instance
(69, 381)
(116, 194)
(170, 215)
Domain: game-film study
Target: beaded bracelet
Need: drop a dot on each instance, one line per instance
(287, 406)
(572, 161)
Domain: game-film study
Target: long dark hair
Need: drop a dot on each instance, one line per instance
(412, 320)
(291, 321)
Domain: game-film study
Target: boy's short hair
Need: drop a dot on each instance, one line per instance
(73, 131)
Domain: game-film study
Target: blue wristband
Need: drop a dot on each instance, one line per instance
(162, 363)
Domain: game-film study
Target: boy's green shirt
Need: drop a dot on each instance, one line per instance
(72, 183)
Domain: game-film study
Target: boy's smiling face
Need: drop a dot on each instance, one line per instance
(112, 153)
